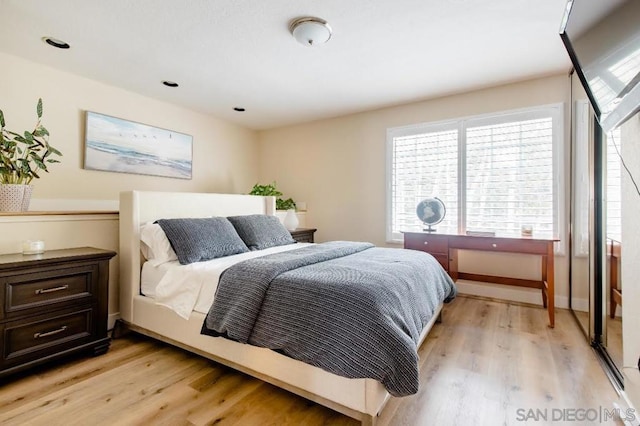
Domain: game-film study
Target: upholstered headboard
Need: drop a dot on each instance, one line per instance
(139, 207)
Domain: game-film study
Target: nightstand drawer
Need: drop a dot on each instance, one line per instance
(27, 337)
(306, 238)
(435, 244)
(49, 287)
(303, 235)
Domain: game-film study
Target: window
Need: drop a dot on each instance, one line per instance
(424, 164)
(494, 173)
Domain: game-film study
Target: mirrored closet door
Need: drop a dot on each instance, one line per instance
(596, 234)
(581, 277)
(612, 283)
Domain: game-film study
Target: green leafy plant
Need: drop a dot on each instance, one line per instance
(270, 190)
(24, 155)
(287, 204)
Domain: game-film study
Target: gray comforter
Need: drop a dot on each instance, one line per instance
(349, 308)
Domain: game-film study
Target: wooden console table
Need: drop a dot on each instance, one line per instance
(444, 247)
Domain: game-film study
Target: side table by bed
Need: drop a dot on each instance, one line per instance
(303, 235)
(51, 305)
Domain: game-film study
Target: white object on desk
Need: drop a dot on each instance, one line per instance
(526, 230)
(32, 247)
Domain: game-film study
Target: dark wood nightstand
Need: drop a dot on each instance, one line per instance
(303, 235)
(51, 305)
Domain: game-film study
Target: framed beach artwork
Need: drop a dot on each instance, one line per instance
(116, 145)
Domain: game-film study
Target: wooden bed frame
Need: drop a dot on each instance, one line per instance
(362, 399)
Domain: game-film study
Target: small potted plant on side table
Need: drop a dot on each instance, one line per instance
(290, 220)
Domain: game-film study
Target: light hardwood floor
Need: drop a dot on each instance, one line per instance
(486, 361)
(614, 340)
(614, 335)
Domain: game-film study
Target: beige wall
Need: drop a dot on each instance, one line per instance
(630, 265)
(337, 166)
(630, 136)
(224, 154)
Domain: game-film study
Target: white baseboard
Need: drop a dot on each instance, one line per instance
(580, 305)
(111, 320)
(514, 294)
(521, 295)
(498, 291)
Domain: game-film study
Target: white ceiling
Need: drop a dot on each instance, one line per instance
(228, 53)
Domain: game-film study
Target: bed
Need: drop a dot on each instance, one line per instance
(359, 398)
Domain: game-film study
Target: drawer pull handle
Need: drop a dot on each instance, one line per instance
(49, 333)
(494, 245)
(52, 289)
(426, 243)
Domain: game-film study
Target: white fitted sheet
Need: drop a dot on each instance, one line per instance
(152, 274)
(187, 288)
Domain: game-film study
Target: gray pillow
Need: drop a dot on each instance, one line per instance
(259, 231)
(200, 239)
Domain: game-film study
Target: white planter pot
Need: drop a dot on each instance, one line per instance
(302, 217)
(291, 220)
(15, 198)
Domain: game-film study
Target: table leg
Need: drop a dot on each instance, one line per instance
(613, 282)
(551, 292)
(544, 288)
(453, 264)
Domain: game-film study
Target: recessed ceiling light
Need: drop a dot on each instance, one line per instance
(55, 42)
(170, 83)
(239, 109)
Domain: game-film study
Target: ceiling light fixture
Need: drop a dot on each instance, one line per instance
(55, 42)
(170, 83)
(310, 31)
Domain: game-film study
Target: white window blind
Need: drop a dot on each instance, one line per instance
(493, 173)
(424, 164)
(510, 176)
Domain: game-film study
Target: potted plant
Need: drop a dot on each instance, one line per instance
(270, 190)
(22, 157)
(290, 219)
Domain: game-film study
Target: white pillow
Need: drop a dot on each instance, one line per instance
(155, 245)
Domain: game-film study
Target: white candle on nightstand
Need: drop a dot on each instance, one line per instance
(32, 247)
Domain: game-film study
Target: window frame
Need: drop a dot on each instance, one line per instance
(555, 111)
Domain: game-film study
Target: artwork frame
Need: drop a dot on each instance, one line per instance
(117, 145)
